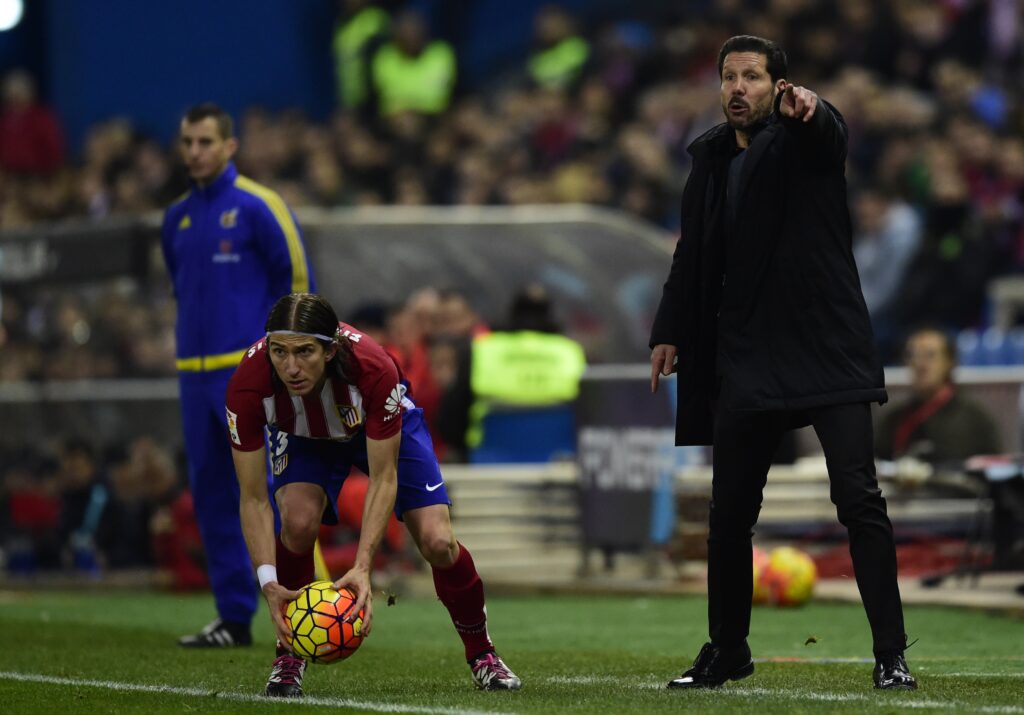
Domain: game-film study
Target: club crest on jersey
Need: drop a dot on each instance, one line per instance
(229, 219)
(226, 253)
(280, 464)
(349, 416)
(186, 222)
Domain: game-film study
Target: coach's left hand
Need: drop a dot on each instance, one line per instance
(357, 580)
(798, 103)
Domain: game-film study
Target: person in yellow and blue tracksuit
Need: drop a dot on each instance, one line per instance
(232, 249)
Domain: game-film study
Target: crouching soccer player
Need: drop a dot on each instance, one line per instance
(332, 398)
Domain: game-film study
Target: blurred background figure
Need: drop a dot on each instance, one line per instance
(84, 496)
(561, 54)
(142, 481)
(30, 135)
(32, 513)
(888, 236)
(511, 401)
(362, 26)
(232, 247)
(938, 424)
(414, 72)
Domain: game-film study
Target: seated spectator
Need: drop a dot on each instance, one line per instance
(30, 138)
(938, 424)
(32, 512)
(456, 318)
(142, 480)
(407, 344)
(84, 495)
(178, 545)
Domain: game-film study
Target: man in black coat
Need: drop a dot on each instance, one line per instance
(763, 316)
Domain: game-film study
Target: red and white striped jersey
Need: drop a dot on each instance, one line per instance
(373, 401)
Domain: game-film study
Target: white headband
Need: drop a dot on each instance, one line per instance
(318, 336)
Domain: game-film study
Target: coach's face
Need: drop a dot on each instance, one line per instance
(205, 152)
(300, 362)
(748, 92)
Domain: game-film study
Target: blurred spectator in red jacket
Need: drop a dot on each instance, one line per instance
(30, 137)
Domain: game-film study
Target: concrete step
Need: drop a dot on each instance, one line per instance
(508, 508)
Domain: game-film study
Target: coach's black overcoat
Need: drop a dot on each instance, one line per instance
(786, 305)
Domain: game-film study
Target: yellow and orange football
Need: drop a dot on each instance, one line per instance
(788, 578)
(317, 621)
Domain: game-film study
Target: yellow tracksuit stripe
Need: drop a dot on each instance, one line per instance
(203, 363)
(300, 273)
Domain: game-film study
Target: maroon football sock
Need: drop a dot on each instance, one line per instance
(293, 572)
(462, 592)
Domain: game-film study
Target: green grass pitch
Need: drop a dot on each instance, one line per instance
(115, 653)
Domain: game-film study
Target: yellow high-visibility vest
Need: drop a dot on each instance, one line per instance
(349, 41)
(420, 84)
(522, 369)
(557, 67)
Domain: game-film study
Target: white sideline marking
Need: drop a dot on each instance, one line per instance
(975, 675)
(239, 697)
(589, 679)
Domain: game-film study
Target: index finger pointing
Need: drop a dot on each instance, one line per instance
(812, 104)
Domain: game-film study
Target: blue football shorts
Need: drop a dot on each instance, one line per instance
(327, 463)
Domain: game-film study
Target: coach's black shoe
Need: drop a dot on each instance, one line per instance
(286, 677)
(715, 665)
(219, 634)
(892, 673)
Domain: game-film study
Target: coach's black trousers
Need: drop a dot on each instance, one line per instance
(744, 443)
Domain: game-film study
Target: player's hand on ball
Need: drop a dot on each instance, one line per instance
(798, 103)
(278, 598)
(357, 580)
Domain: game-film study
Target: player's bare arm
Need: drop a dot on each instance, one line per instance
(258, 527)
(663, 362)
(382, 456)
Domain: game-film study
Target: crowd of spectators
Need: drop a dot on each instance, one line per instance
(71, 506)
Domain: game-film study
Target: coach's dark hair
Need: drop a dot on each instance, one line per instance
(777, 63)
(311, 313)
(209, 110)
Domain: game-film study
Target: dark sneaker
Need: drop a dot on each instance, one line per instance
(218, 634)
(714, 666)
(286, 677)
(491, 673)
(892, 673)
